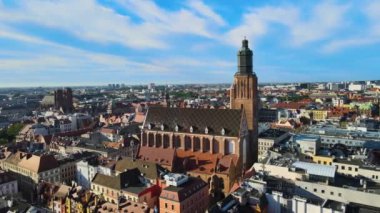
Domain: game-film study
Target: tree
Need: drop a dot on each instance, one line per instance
(304, 120)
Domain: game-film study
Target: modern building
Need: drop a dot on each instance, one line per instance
(269, 138)
(308, 144)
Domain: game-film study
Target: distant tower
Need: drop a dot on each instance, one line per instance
(63, 99)
(244, 95)
(167, 99)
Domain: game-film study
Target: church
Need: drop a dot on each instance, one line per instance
(217, 145)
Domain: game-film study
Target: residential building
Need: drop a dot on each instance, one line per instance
(184, 194)
(29, 169)
(130, 184)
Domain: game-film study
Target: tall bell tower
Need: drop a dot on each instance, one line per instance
(244, 95)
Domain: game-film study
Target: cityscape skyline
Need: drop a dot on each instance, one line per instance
(151, 41)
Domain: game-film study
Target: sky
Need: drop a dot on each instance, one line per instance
(97, 42)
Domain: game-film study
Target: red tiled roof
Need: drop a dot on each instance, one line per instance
(157, 155)
(290, 105)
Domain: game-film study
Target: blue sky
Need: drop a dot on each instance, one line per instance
(95, 42)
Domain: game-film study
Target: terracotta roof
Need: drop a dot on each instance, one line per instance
(31, 162)
(214, 119)
(139, 118)
(290, 105)
(161, 156)
(205, 162)
(113, 145)
(37, 163)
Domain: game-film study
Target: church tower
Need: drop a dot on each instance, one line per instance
(244, 95)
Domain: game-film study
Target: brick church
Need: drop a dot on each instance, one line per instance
(217, 145)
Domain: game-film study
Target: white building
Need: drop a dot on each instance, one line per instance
(308, 144)
(356, 87)
(337, 102)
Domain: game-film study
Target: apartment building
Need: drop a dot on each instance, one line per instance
(184, 194)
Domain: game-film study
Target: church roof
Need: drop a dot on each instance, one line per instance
(214, 119)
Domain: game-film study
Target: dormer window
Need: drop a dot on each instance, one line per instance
(191, 129)
(150, 126)
(206, 130)
(162, 127)
(223, 132)
(176, 128)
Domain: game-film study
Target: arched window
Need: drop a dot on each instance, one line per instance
(230, 146)
(197, 144)
(206, 145)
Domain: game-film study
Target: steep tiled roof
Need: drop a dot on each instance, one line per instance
(206, 162)
(39, 163)
(162, 156)
(34, 163)
(214, 119)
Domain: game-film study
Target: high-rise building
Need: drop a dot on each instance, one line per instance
(244, 95)
(63, 99)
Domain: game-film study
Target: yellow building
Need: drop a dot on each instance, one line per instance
(318, 115)
(323, 160)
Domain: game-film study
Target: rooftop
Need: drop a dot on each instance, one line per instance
(272, 134)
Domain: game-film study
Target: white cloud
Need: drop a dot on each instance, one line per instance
(325, 19)
(206, 11)
(90, 21)
(364, 36)
(182, 21)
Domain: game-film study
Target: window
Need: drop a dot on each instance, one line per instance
(331, 193)
(172, 207)
(343, 167)
(315, 190)
(340, 194)
(356, 169)
(323, 191)
(166, 205)
(349, 168)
